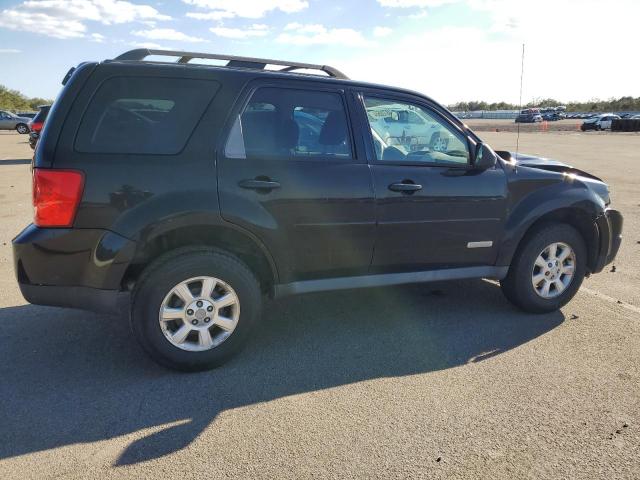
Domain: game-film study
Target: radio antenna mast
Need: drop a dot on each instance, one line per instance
(521, 77)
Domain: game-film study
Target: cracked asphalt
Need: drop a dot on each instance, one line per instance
(442, 380)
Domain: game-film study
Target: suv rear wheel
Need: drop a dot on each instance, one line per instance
(195, 308)
(547, 270)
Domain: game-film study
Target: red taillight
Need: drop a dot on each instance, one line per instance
(36, 126)
(56, 195)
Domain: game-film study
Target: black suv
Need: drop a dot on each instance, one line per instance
(182, 193)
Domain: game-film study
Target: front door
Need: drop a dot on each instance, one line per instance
(433, 209)
(291, 174)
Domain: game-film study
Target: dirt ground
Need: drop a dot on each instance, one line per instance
(430, 381)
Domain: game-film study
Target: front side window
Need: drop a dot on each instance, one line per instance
(290, 123)
(406, 132)
(141, 115)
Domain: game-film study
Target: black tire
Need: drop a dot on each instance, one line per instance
(517, 286)
(22, 128)
(168, 271)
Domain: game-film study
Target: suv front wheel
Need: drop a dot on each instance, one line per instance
(195, 308)
(547, 270)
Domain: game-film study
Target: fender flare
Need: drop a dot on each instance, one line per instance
(575, 204)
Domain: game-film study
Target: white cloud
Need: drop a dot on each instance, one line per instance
(305, 28)
(248, 8)
(215, 15)
(104, 11)
(414, 3)
(97, 37)
(562, 60)
(315, 34)
(382, 32)
(10, 50)
(151, 45)
(41, 23)
(65, 18)
(166, 34)
(420, 14)
(255, 30)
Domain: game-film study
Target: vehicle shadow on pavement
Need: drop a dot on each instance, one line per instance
(71, 377)
(15, 161)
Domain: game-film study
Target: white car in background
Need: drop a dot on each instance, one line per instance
(599, 122)
(407, 129)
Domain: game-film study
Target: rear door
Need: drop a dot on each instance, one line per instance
(290, 172)
(433, 209)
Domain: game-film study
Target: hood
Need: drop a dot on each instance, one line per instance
(550, 164)
(527, 160)
(542, 163)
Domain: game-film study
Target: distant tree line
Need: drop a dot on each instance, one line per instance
(595, 105)
(13, 100)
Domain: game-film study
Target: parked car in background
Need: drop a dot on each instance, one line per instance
(37, 123)
(26, 114)
(530, 115)
(11, 121)
(600, 122)
(552, 116)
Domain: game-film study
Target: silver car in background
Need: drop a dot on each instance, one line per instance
(10, 121)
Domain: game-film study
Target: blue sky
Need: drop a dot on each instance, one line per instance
(449, 49)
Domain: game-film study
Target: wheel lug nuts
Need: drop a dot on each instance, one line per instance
(209, 309)
(194, 322)
(189, 312)
(207, 320)
(199, 303)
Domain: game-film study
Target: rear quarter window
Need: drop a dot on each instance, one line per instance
(143, 115)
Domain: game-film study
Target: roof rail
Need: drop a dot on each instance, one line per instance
(232, 61)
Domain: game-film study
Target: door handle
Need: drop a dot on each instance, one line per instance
(257, 184)
(405, 187)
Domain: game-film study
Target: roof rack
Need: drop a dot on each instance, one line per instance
(232, 61)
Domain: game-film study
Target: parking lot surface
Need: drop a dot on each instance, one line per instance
(440, 380)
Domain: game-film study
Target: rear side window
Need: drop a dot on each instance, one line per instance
(291, 123)
(143, 115)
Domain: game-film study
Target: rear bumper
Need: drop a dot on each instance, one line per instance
(79, 268)
(610, 233)
(84, 298)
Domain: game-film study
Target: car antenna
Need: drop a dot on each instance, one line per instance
(520, 109)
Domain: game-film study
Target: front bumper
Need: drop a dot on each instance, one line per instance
(610, 232)
(78, 268)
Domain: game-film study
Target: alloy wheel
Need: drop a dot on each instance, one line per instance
(553, 270)
(199, 314)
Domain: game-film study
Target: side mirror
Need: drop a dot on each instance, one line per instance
(485, 157)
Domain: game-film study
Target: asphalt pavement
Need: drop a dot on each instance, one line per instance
(442, 380)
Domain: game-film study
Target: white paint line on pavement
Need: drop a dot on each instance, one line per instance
(595, 293)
